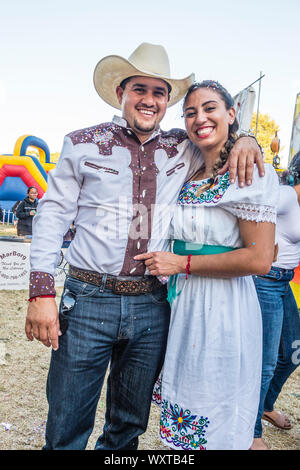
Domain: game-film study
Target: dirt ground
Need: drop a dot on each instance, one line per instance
(23, 405)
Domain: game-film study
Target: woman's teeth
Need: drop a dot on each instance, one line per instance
(204, 131)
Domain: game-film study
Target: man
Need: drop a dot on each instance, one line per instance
(108, 179)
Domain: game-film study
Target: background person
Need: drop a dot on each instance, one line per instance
(222, 234)
(281, 322)
(26, 210)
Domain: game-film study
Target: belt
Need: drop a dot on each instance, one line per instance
(118, 285)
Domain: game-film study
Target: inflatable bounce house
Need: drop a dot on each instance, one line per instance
(20, 171)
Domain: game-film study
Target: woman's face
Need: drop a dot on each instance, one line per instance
(32, 194)
(207, 119)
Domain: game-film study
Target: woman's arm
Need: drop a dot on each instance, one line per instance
(21, 213)
(255, 257)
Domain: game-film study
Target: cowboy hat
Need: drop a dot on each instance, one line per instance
(148, 60)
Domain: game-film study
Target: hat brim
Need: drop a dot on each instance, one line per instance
(112, 70)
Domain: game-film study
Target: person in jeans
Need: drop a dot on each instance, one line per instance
(109, 180)
(281, 323)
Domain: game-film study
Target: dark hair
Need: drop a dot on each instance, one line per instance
(291, 176)
(232, 128)
(126, 80)
(29, 189)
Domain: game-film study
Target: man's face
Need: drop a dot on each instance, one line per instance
(144, 103)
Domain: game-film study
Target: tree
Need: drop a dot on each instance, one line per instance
(266, 130)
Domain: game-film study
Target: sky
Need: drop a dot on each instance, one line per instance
(49, 49)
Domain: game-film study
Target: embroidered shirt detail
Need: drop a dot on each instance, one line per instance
(41, 284)
(182, 429)
(156, 394)
(188, 193)
(169, 141)
(105, 136)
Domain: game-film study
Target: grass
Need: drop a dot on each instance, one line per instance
(7, 230)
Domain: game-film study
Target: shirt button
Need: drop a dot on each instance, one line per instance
(129, 132)
(142, 148)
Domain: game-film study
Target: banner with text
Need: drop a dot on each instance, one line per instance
(15, 266)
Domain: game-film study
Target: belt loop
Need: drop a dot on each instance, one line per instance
(103, 282)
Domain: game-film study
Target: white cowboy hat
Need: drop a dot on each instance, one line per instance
(148, 60)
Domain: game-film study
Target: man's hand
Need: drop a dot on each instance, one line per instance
(42, 322)
(242, 157)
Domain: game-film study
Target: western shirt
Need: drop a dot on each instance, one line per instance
(118, 192)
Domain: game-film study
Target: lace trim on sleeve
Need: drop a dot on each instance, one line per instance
(254, 212)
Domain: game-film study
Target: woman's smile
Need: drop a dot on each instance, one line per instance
(204, 132)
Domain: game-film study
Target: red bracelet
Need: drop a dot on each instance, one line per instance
(188, 265)
(34, 298)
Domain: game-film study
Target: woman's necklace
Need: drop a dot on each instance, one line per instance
(199, 176)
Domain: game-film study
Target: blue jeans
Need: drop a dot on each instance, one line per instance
(130, 333)
(281, 331)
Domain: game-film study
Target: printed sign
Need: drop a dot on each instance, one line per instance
(15, 266)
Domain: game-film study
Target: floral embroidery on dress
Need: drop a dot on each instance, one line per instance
(188, 193)
(105, 136)
(156, 394)
(169, 141)
(182, 429)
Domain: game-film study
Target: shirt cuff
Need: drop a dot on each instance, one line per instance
(41, 284)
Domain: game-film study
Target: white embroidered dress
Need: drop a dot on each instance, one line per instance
(211, 376)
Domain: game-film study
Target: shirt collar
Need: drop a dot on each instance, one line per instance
(120, 121)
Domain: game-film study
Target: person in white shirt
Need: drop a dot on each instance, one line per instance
(281, 323)
(221, 235)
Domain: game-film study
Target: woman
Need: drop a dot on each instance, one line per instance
(211, 377)
(281, 322)
(26, 211)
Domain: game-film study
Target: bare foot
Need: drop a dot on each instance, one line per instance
(278, 419)
(259, 444)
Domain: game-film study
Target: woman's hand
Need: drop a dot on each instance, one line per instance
(163, 263)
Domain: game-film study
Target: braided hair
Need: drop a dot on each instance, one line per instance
(232, 128)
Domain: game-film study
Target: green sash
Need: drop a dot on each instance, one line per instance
(187, 248)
